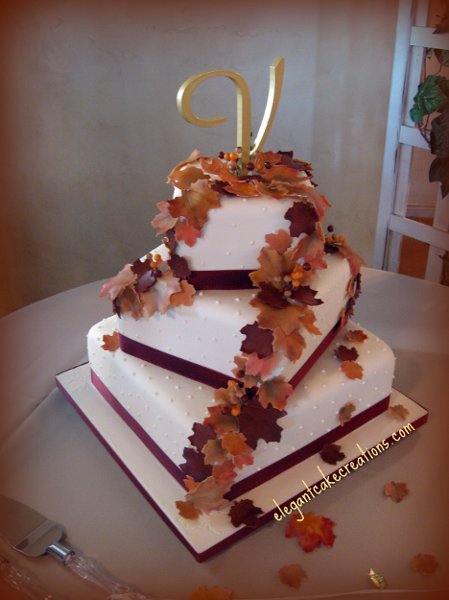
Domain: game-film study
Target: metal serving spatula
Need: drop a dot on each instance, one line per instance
(34, 535)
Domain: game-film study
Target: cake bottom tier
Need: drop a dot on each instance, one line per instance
(277, 497)
(161, 407)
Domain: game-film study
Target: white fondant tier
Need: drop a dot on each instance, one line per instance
(235, 233)
(166, 405)
(208, 332)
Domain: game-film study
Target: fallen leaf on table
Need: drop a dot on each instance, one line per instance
(352, 369)
(396, 490)
(356, 335)
(345, 412)
(331, 454)
(312, 531)
(187, 510)
(424, 563)
(398, 412)
(292, 575)
(111, 343)
(214, 593)
(243, 512)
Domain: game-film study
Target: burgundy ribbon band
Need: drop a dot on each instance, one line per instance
(221, 280)
(202, 374)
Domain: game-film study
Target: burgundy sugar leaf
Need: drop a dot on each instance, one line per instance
(179, 266)
(170, 240)
(147, 280)
(331, 454)
(194, 465)
(258, 423)
(140, 267)
(302, 217)
(258, 340)
(201, 435)
(243, 512)
(306, 295)
(344, 353)
(271, 296)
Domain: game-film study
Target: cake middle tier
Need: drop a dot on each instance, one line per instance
(201, 341)
(161, 407)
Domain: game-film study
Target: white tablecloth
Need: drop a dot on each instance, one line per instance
(50, 460)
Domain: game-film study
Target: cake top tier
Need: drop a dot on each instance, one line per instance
(220, 214)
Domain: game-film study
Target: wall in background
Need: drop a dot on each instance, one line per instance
(95, 128)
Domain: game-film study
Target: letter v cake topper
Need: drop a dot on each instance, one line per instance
(186, 90)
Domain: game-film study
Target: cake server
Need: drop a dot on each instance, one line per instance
(33, 535)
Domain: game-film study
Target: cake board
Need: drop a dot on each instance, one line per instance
(210, 534)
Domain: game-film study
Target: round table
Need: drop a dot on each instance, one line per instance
(50, 460)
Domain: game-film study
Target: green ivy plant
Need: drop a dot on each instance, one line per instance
(433, 97)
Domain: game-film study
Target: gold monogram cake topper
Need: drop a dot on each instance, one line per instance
(243, 106)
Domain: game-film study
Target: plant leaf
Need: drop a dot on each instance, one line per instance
(430, 97)
(439, 171)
